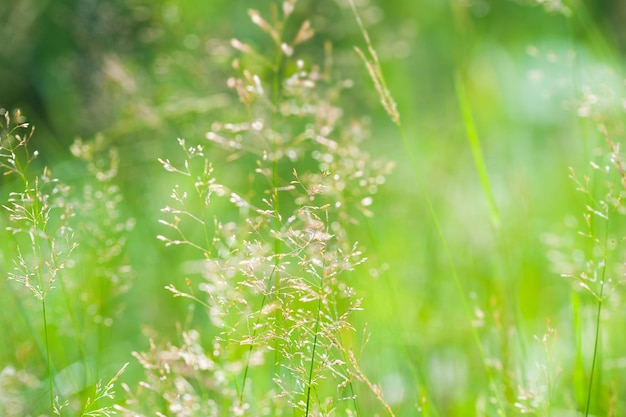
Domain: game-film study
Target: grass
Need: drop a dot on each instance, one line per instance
(330, 235)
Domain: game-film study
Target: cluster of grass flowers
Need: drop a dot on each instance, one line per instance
(273, 276)
(38, 216)
(45, 221)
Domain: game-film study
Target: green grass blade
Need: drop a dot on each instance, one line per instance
(474, 143)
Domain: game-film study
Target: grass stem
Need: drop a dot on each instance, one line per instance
(48, 362)
(317, 329)
(596, 341)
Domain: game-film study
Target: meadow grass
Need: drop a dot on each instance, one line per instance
(282, 265)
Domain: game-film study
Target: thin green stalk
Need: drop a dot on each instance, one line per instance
(317, 329)
(48, 364)
(597, 332)
(595, 348)
(474, 142)
(579, 366)
(247, 367)
(276, 80)
(245, 370)
(37, 252)
(352, 393)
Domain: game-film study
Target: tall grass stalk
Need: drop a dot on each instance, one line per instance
(583, 30)
(598, 259)
(48, 361)
(596, 341)
(474, 144)
(313, 349)
(29, 212)
(616, 160)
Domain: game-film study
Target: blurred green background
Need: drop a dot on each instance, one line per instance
(539, 81)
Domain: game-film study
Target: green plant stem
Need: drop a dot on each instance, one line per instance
(275, 167)
(317, 329)
(599, 298)
(579, 366)
(48, 364)
(37, 252)
(595, 350)
(474, 143)
(247, 367)
(596, 340)
(276, 80)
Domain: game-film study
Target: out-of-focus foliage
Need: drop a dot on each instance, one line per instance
(543, 81)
